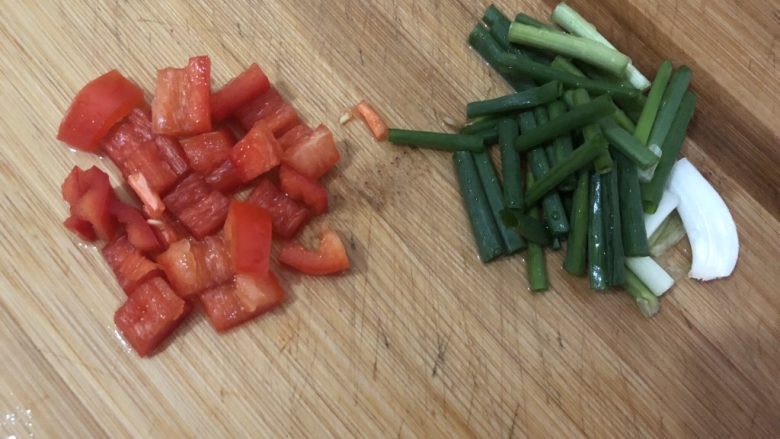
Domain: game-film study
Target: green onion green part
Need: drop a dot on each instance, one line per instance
(487, 174)
(489, 49)
(653, 191)
(499, 29)
(670, 104)
(580, 158)
(620, 117)
(440, 141)
(577, 246)
(483, 225)
(489, 136)
(596, 250)
(632, 215)
(565, 65)
(510, 164)
(522, 100)
(520, 67)
(626, 143)
(562, 145)
(554, 213)
(650, 111)
(534, 230)
(577, 117)
(624, 121)
(615, 267)
(480, 124)
(603, 162)
(530, 21)
(535, 260)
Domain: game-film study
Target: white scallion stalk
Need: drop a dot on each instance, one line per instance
(669, 202)
(708, 223)
(651, 274)
(573, 22)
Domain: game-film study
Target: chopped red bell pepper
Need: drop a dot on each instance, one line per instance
(139, 232)
(257, 153)
(182, 99)
(167, 230)
(225, 178)
(226, 309)
(89, 194)
(199, 207)
(248, 234)
(129, 265)
(287, 215)
(194, 266)
(293, 135)
(301, 188)
(174, 157)
(313, 155)
(97, 107)
(330, 258)
(207, 151)
(251, 83)
(82, 228)
(153, 204)
(126, 136)
(134, 149)
(149, 315)
(271, 108)
(259, 292)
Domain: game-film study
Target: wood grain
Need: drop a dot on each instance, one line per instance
(419, 340)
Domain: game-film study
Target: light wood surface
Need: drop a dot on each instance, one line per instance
(419, 339)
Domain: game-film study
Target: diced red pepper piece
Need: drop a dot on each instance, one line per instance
(257, 153)
(259, 292)
(302, 188)
(97, 107)
(129, 265)
(83, 229)
(194, 266)
(271, 108)
(149, 315)
(225, 178)
(89, 194)
(133, 148)
(293, 135)
(207, 151)
(153, 204)
(287, 216)
(173, 155)
(331, 257)
(240, 90)
(182, 99)
(199, 207)
(139, 232)
(226, 309)
(167, 230)
(313, 155)
(124, 139)
(372, 119)
(72, 186)
(248, 234)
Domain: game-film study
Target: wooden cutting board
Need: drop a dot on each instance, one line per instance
(419, 339)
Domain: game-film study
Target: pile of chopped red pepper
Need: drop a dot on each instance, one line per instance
(185, 157)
